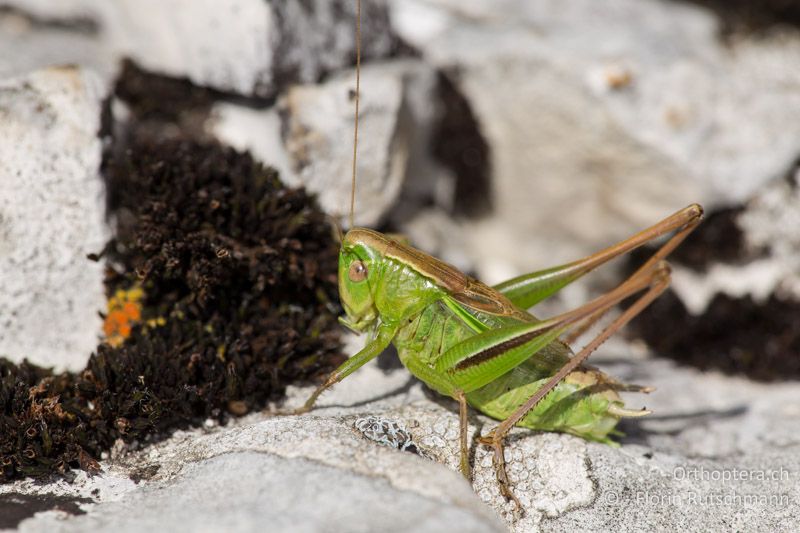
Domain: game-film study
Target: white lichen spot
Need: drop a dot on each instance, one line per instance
(389, 433)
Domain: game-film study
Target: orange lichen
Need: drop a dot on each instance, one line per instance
(124, 312)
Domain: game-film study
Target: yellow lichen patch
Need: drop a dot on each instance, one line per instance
(156, 322)
(124, 312)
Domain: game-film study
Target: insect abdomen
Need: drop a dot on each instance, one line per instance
(577, 405)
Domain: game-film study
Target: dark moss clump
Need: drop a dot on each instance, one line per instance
(38, 418)
(459, 145)
(753, 15)
(161, 107)
(734, 335)
(151, 96)
(719, 238)
(242, 269)
(239, 281)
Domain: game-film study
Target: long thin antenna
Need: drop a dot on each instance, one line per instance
(358, 95)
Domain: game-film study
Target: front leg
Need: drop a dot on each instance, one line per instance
(384, 336)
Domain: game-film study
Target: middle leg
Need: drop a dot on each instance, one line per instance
(463, 433)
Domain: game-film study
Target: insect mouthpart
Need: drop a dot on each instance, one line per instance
(355, 322)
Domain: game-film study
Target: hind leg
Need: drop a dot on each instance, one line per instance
(655, 281)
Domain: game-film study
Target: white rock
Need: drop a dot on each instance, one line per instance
(308, 137)
(52, 207)
(598, 126)
(249, 47)
(268, 470)
(769, 224)
(51, 10)
(771, 221)
(255, 491)
(226, 45)
(39, 43)
(757, 279)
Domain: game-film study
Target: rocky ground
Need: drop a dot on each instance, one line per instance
(718, 453)
(501, 136)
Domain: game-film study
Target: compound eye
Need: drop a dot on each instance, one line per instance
(357, 272)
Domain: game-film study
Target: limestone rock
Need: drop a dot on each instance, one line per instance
(44, 34)
(718, 452)
(247, 47)
(308, 136)
(52, 206)
(599, 126)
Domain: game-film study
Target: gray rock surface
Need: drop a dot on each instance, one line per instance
(52, 208)
(603, 119)
(256, 491)
(40, 39)
(718, 453)
(308, 136)
(248, 47)
(771, 243)
(770, 222)
(225, 45)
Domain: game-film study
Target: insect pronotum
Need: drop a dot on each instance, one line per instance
(478, 344)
